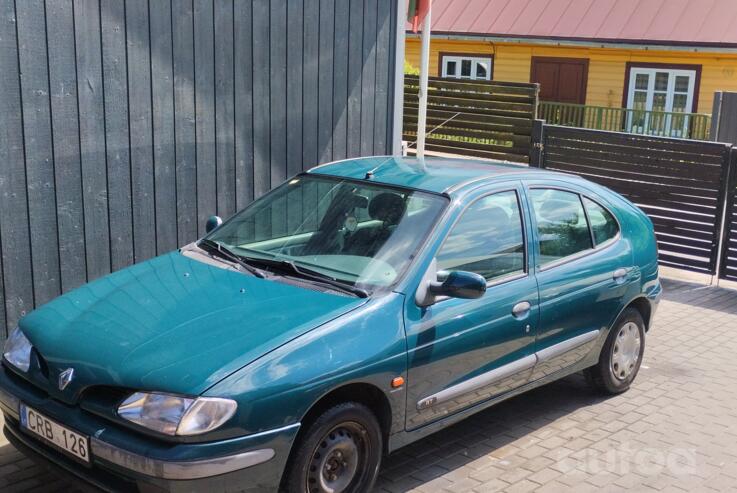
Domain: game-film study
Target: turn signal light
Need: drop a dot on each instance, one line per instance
(397, 382)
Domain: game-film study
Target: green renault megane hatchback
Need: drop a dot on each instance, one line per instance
(354, 309)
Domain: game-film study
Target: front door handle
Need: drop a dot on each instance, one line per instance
(619, 274)
(521, 309)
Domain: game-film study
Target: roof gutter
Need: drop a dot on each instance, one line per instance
(593, 43)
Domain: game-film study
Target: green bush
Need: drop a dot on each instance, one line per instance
(409, 69)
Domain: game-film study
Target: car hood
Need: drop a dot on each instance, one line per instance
(172, 324)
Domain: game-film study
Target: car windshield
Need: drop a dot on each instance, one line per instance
(359, 233)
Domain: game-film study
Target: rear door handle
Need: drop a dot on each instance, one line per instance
(619, 274)
(521, 309)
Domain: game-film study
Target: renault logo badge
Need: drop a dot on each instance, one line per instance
(65, 378)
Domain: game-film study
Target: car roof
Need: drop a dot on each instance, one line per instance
(439, 174)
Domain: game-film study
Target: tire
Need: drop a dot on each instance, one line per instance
(340, 452)
(621, 356)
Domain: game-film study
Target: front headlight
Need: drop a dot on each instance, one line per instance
(174, 415)
(17, 350)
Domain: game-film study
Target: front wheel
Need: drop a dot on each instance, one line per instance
(340, 452)
(621, 355)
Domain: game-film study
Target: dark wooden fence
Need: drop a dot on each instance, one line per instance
(474, 118)
(123, 125)
(679, 183)
(729, 236)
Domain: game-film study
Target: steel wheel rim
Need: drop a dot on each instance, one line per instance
(338, 459)
(625, 351)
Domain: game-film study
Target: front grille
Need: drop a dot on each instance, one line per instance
(42, 365)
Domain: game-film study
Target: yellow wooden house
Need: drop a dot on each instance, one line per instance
(649, 65)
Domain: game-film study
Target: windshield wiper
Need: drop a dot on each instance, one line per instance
(217, 249)
(305, 273)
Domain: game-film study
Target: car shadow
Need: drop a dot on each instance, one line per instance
(488, 433)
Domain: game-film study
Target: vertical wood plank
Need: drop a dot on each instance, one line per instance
(141, 129)
(243, 103)
(278, 92)
(295, 43)
(355, 64)
(224, 111)
(92, 136)
(728, 118)
(164, 152)
(340, 80)
(39, 154)
(261, 100)
(295, 40)
(310, 83)
(184, 120)
(384, 76)
(65, 131)
(368, 77)
(16, 293)
(3, 319)
(325, 81)
(716, 111)
(278, 108)
(310, 96)
(204, 56)
(115, 88)
(395, 103)
(537, 144)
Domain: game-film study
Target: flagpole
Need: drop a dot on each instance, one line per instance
(424, 69)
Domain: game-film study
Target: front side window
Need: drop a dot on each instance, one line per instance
(603, 225)
(362, 234)
(487, 239)
(562, 229)
(660, 100)
(467, 67)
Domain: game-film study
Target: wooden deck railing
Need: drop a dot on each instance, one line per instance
(657, 123)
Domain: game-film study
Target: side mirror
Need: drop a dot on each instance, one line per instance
(460, 284)
(437, 284)
(212, 223)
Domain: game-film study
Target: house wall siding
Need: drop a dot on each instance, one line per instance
(125, 124)
(607, 66)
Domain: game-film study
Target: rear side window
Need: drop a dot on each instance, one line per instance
(603, 225)
(562, 229)
(487, 239)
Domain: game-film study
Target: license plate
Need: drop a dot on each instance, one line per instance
(52, 432)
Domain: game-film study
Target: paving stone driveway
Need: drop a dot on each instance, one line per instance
(675, 430)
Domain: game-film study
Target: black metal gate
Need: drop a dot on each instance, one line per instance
(728, 268)
(679, 184)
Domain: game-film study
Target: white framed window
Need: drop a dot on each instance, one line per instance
(656, 96)
(466, 67)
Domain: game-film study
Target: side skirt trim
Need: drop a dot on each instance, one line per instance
(479, 381)
(568, 345)
(508, 370)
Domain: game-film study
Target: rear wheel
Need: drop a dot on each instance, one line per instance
(341, 452)
(621, 356)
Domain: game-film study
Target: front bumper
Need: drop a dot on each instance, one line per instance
(123, 461)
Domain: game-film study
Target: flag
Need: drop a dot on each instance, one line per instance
(416, 12)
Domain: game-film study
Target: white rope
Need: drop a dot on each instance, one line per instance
(434, 129)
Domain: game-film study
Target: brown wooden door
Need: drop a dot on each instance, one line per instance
(562, 80)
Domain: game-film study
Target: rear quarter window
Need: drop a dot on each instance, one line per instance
(603, 225)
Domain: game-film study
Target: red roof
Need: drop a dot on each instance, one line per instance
(690, 22)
